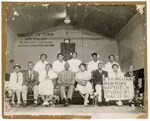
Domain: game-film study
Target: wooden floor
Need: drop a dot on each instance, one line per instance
(95, 112)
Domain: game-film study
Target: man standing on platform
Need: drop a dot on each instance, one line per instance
(30, 82)
(98, 77)
(66, 80)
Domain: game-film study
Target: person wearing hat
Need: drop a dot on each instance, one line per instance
(98, 77)
(30, 82)
(93, 65)
(40, 65)
(15, 85)
(108, 66)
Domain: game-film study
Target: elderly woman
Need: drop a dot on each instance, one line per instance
(15, 84)
(46, 84)
(84, 86)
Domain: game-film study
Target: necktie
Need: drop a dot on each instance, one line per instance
(30, 75)
(66, 75)
(17, 78)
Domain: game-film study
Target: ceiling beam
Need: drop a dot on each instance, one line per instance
(25, 18)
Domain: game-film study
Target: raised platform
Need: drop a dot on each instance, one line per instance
(95, 112)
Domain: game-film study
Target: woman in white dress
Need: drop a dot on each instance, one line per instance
(117, 74)
(46, 84)
(84, 86)
(15, 85)
(40, 65)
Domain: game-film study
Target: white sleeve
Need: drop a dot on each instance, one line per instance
(54, 67)
(89, 67)
(36, 67)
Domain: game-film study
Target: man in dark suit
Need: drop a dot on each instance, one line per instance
(98, 76)
(30, 82)
(66, 80)
(133, 74)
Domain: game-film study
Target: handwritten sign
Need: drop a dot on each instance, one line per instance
(118, 88)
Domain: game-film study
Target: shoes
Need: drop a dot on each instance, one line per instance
(107, 103)
(51, 104)
(12, 104)
(45, 103)
(69, 101)
(119, 103)
(35, 103)
(18, 104)
(100, 103)
(24, 103)
(86, 102)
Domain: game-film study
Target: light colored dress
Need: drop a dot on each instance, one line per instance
(40, 68)
(108, 68)
(58, 66)
(46, 85)
(84, 76)
(16, 81)
(74, 65)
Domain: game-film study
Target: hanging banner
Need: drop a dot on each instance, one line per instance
(118, 88)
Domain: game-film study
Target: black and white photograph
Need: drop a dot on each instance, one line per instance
(66, 60)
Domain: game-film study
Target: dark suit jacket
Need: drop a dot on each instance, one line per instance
(67, 80)
(27, 81)
(97, 77)
(135, 76)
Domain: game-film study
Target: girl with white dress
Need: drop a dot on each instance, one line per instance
(84, 86)
(46, 84)
(15, 84)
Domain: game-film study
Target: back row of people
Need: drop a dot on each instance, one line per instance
(39, 78)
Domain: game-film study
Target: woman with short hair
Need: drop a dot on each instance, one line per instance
(46, 85)
(84, 86)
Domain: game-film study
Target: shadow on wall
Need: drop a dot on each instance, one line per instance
(106, 50)
(126, 58)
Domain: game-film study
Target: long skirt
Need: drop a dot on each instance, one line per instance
(85, 89)
(46, 87)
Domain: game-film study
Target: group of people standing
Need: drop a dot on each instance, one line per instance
(71, 75)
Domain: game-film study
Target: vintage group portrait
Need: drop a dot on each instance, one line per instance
(74, 60)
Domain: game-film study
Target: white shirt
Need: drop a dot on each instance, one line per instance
(85, 75)
(92, 65)
(51, 75)
(116, 75)
(58, 66)
(16, 80)
(108, 68)
(74, 64)
(40, 67)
